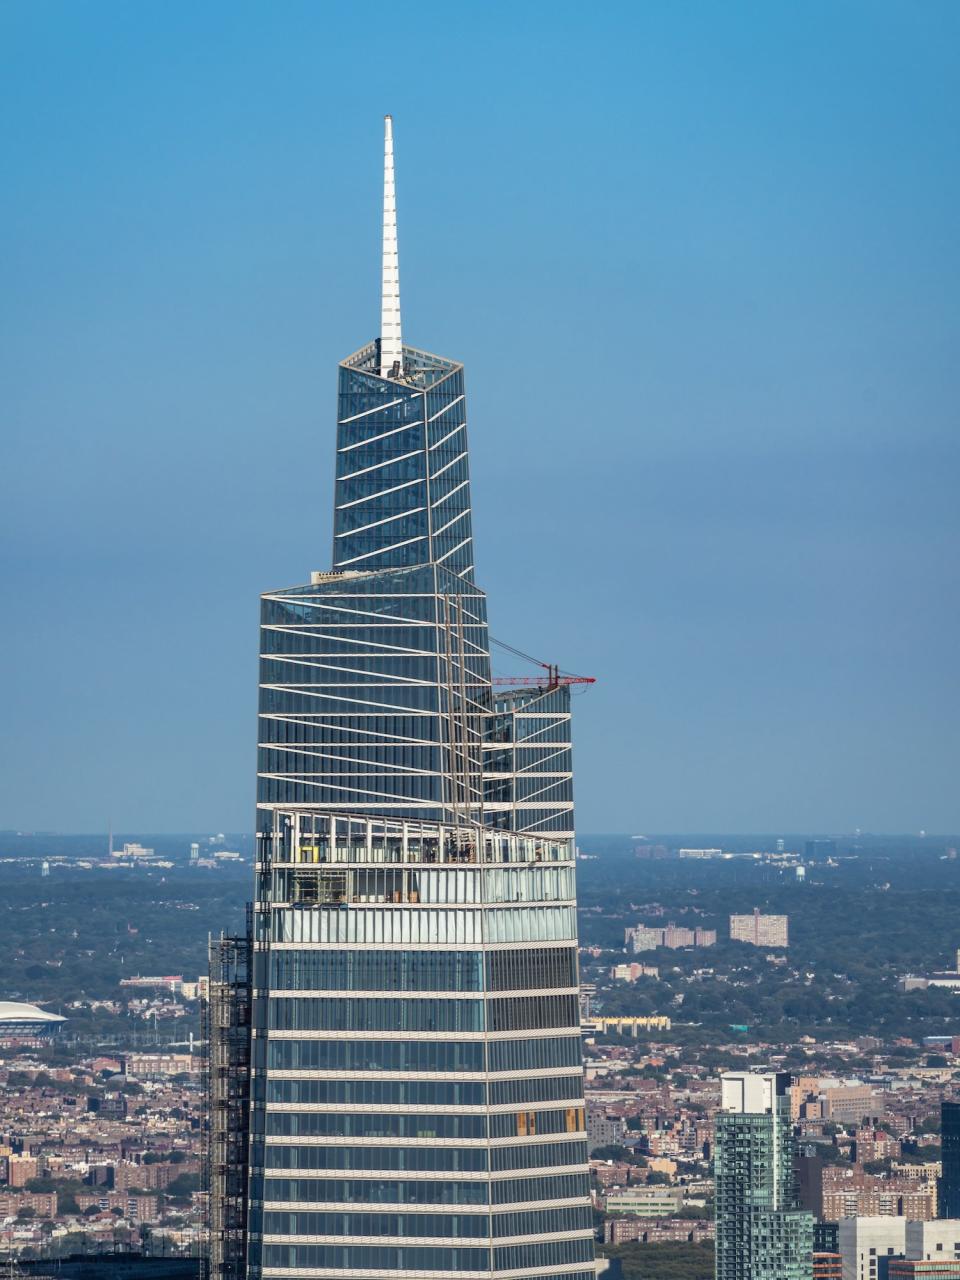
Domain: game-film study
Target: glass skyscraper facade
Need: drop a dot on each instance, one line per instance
(948, 1190)
(761, 1232)
(415, 1083)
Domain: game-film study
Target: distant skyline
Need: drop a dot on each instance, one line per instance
(701, 264)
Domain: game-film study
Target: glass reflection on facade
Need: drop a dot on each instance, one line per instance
(401, 1034)
(528, 762)
(416, 1080)
(415, 915)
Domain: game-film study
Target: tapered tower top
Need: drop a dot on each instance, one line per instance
(391, 342)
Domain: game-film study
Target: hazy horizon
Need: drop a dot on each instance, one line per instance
(701, 265)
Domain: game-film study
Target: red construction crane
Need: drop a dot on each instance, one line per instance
(553, 678)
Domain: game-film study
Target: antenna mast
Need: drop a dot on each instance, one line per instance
(391, 342)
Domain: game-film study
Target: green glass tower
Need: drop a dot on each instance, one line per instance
(761, 1233)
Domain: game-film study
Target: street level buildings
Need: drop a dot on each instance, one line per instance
(413, 1068)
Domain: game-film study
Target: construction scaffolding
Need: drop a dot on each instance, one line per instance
(226, 1036)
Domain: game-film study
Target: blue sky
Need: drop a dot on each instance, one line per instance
(701, 262)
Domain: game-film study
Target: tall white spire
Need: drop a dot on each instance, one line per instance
(391, 343)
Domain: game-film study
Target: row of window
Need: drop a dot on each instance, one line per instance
(314, 1013)
(375, 1191)
(417, 795)
(345, 1013)
(451, 1226)
(537, 1222)
(552, 1187)
(523, 1013)
(314, 1124)
(306, 730)
(413, 1093)
(528, 1222)
(400, 1159)
(552, 1253)
(536, 1089)
(557, 1186)
(361, 688)
(348, 628)
(377, 926)
(394, 471)
(355, 643)
(339, 766)
(404, 700)
(541, 1155)
(541, 970)
(533, 1054)
(300, 1124)
(385, 1093)
(373, 970)
(386, 1159)
(326, 609)
(424, 1258)
(528, 1123)
(434, 887)
(364, 453)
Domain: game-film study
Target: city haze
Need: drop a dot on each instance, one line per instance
(702, 268)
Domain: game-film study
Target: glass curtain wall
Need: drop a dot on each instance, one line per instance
(416, 1080)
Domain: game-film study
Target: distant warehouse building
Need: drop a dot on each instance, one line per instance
(25, 1023)
(760, 930)
(646, 1202)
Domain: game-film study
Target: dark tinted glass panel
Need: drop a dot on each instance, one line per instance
(378, 1055)
(385, 1093)
(375, 1257)
(376, 970)
(549, 1254)
(533, 1054)
(540, 1155)
(537, 1089)
(374, 1125)
(523, 1014)
(537, 1222)
(380, 1191)
(561, 1186)
(308, 1223)
(318, 1014)
(543, 970)
(408, 1159)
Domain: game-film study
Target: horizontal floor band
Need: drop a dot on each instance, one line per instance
(370, 1273)
(439, 1242)
(427, 1175)
(394, 1076)
(540, 1033)
(289, 993)
(352, 1206)
(391, 1143)
(416, 946)
(424, 1108)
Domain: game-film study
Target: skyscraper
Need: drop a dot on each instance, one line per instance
(948, 1189)
(415, 1086)
(761, 1234)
